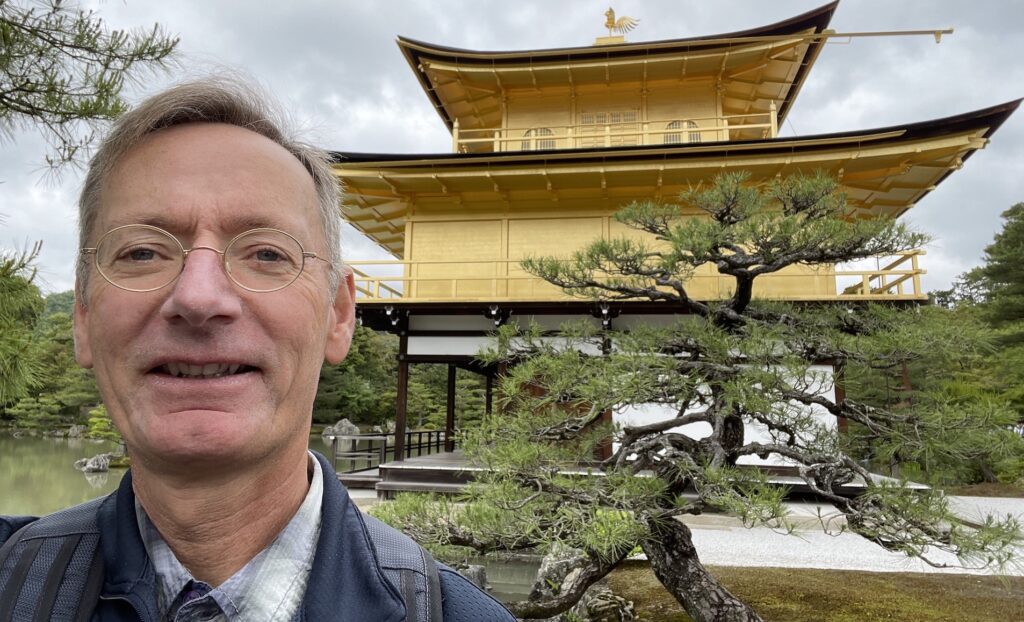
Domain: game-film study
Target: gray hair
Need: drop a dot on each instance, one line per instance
(217, 99)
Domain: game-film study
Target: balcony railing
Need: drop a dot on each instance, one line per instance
(498, 280)
(690, 130)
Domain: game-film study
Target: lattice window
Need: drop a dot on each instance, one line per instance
(676, 138)
(534, 140)
(623, 128)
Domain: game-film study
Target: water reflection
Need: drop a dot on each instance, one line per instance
(37, 475)
(99, 480)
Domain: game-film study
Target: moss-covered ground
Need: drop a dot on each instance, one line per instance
(802, 595)
(987, 489)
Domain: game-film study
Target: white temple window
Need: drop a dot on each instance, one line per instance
(677, 138)
(535, 139)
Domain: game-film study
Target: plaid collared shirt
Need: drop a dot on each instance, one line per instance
(270, 587)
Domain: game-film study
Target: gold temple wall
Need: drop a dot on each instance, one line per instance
(478, 257)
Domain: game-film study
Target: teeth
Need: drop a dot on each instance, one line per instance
(209, 370)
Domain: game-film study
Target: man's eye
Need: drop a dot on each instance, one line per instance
(138, 254)
(268, 255)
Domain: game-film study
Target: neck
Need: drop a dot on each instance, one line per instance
(216, 525)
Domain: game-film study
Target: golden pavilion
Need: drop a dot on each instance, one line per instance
(547, 144)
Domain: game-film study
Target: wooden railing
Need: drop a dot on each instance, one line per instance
(900, 277)
(500, 280)
(617, 134)
(349, 451)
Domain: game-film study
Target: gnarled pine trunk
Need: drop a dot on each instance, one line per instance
(674, 561)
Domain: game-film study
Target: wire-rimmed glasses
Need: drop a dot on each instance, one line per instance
(144, 258)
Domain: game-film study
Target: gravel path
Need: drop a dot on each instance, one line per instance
(724, 542)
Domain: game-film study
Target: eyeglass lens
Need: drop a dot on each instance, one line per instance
(143, 258)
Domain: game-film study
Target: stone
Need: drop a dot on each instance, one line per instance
(77, 431)
(600, 604)
(477, 575)
(100, 463)
(343, 427)
(554, 569)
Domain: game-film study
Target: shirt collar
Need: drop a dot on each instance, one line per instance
(269, 587)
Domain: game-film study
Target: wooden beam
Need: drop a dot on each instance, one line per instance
(449, 423)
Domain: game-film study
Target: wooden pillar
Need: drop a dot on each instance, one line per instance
(449, 423)
(489, 395)
(402, 399)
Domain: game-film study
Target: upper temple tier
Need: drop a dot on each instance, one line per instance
(548, 144)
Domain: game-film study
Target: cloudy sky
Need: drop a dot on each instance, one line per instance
(334, 64)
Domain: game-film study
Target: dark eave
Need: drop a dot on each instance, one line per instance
(817, 19)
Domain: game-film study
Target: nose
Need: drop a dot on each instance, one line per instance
(203, 292)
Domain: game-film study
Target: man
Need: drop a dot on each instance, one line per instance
(209, 292)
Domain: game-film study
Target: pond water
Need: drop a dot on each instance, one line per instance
(37, 475)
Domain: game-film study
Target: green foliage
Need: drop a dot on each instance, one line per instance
(58, 381)
(61, 302)
(362, 387)
(992, 296)
(62, 70)
(947, 387)
(100, 425)
(36, 413)
(1002, 273)
(20, 306)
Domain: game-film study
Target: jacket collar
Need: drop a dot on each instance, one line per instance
(346, 575)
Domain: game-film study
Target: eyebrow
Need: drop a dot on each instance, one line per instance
(233, 224)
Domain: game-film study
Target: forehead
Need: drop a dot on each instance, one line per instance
(209, 176)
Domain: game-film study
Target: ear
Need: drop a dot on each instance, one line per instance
(83, 349)
(341, 320)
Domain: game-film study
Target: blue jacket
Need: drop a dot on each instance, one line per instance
(345, 579)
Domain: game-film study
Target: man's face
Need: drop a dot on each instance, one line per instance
(206, 183)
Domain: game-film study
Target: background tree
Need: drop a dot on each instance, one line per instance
(1002, 276)
(62, 70)
(724, 368)
(994, 293)
(59, 393)
(362, 387)
(952, 376)
(20, 306)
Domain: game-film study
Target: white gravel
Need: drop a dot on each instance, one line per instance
(722, 541)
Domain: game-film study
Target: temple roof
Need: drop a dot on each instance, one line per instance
(884, 171)
(754, 67)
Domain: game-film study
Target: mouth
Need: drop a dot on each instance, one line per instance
(202, 371)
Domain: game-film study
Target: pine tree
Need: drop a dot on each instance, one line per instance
(62, 71)
(724, 367)
(20, 308)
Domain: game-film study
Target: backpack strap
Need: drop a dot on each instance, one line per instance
(409, 567)
(57, 556)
